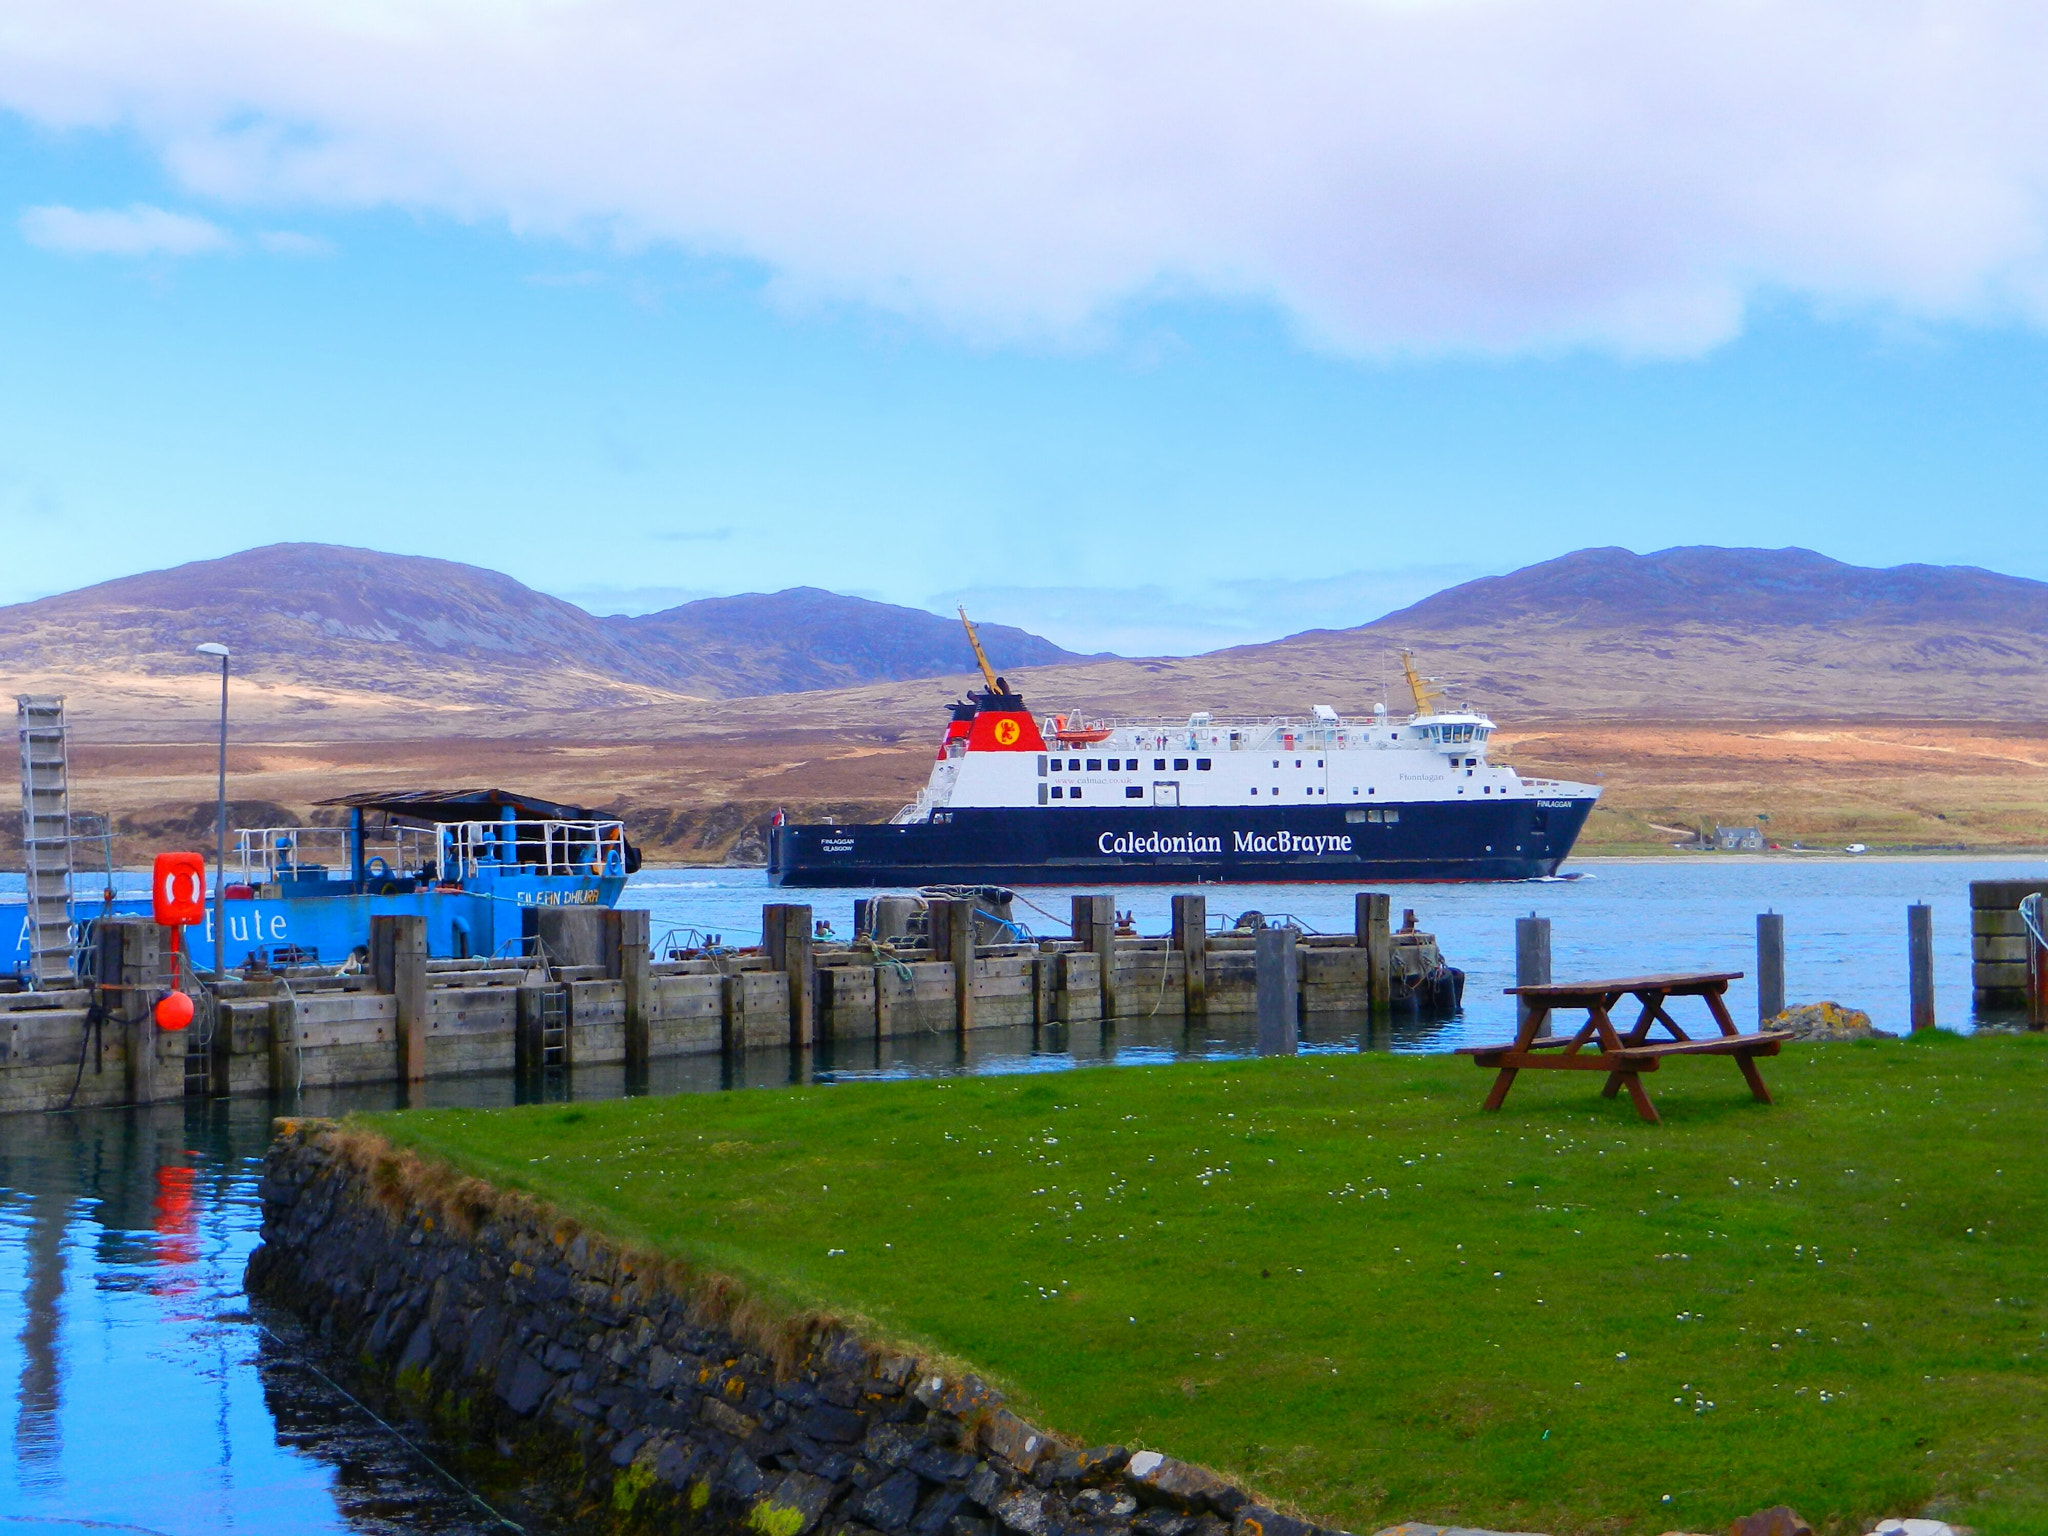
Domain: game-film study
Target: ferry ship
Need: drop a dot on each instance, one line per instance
(1018, 800)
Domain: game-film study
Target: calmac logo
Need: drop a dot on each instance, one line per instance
(1006, 733)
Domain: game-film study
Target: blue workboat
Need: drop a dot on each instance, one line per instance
(477, 864)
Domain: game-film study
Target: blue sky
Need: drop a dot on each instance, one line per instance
(197, 357)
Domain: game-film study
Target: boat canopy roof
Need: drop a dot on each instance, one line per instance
(439, 805)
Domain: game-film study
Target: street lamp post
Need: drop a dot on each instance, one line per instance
(220, 841)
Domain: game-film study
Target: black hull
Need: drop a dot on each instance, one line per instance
(1187, 845)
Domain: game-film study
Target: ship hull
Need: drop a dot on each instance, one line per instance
(1508, 839)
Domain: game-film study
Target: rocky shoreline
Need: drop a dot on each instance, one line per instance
(628, 1393)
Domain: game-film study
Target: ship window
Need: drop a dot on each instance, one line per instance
(1392, 814)
(1041, 765)
(1159, 765)
(1255, 789)
(1074, 792)
(1319, 762)
(1134, 791)
(1276, 789)
(1297, 762)
(1180, 765)
(1201, 765)
(1486, 789)
(1056, 792)
(1041, 790)
(1073, 765)
(1095, 765)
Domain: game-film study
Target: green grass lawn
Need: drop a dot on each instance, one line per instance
(1338, 1279)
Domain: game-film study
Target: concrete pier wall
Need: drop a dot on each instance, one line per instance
(407, 1017)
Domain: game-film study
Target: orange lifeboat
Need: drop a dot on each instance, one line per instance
(1079, 734)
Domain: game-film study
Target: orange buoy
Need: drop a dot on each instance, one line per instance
(173, 1011)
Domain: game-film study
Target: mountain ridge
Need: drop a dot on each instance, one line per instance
(395, 646)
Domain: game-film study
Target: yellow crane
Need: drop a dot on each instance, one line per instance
(1427, 700)
(980, 656)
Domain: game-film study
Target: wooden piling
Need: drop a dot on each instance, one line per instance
(1532, 962)
(132, 964)
(1191, 941)
(398, 961)
(1276, 958)
(526, 1031)
(1770, 965)
(627, 962)
(786, 933)
(1094, 929)
(960, 950)
(285, 1065)
(1373, 930)
(1920, 964)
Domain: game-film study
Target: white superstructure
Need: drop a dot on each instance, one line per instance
(1377, 763)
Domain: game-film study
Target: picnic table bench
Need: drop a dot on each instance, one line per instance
(1623, 1057)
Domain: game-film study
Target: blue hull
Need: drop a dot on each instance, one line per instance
(325, 930)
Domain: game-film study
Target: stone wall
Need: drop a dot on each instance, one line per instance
(638, 1395)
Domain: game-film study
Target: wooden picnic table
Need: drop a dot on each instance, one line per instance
(1624, 1057)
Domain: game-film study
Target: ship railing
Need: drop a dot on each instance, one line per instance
(1225, 735)
(917, 810)
(266, 854)
(558, 848)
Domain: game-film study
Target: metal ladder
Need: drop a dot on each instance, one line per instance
(45, 837)
(554, 1028)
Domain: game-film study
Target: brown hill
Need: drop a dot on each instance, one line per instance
(334, 643)
(806, 638)
(337, 642)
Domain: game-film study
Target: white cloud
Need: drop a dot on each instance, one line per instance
(1397, 174)
(289, 242)
(137, 230)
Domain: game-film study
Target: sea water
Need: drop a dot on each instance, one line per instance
(148, 1394)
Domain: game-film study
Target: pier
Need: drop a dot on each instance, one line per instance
(594, 992)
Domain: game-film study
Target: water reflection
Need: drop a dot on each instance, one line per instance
(148, 1395)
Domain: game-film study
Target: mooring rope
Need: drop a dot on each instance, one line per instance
(299, 1358)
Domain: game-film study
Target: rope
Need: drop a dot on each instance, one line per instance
(2030, 916)
(299, 1358)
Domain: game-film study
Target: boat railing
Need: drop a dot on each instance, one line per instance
(267, 854)
(1222, 735)
(557, 848)
(451, 850)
